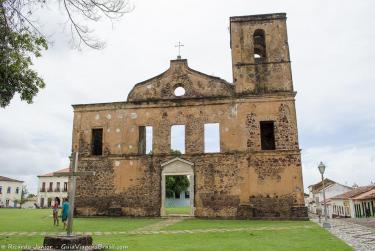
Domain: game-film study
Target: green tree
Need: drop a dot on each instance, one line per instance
(176, 184)
(21, 40)
(30, 195)
(176, 152)
(24, 192)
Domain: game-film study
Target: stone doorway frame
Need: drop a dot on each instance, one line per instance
(177, 166)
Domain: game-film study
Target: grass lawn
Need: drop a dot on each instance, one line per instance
(178, 210)
(260, 235)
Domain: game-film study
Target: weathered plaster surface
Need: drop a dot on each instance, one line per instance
(242, 180)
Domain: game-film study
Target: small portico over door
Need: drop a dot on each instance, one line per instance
(174, 167)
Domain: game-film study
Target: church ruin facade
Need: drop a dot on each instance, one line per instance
(256, 171)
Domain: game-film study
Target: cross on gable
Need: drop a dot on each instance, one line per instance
(179, 45)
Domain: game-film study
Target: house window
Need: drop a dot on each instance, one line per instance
(41, 202)
(17, 190)
(97, 141)
(187, 194)
(1, 189)
(65, 186)
(43, 189)
(9, 190)
(177, 195)
(58, 187)
(145, 140)
(259, 40)
(212, 138)
(267, 135)
(50, 187)
(178, 138)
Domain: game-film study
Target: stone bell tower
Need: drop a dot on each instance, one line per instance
(260, 54)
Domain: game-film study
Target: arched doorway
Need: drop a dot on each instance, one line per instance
(177, 167)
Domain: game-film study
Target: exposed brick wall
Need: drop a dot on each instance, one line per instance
(272, 208)
(286, 129)
(217, 187)
(253, 132)
(272, 165)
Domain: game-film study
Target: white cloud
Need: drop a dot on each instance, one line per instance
(346, 165)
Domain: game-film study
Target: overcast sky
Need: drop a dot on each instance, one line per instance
(332, 47)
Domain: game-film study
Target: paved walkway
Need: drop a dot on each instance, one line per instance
(161, 224)
(156, 229)
(358, 236)
(367, 222)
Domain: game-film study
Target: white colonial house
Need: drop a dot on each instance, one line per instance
(51, 186)
(315, 199)
(179, 200)
(357, 203)
(10, 192)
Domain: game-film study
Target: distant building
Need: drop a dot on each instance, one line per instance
(30, 202)
(51, 186)
(357, 203)
(332, 189)
(179, 200)
(10, 192)
(306, 198)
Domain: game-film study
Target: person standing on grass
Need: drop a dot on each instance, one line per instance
(65, 212)
(55, 208)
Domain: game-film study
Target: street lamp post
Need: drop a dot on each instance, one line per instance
(322, 168)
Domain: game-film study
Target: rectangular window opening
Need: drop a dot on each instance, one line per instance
(267, 135)
(187, 194)
(97, 141)
(145, 140)
(212, 138)
(178, 139)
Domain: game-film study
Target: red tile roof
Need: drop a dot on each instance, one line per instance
(367, 197)
(52, 174)
(3, 178)
(355, 192)
(319, 186)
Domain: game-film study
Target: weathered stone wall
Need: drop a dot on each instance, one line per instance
(238, 118)
(242, 180)
(225, 185)
(195, 83)
(265, 75)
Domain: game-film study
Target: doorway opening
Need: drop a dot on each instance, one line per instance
(177, 193)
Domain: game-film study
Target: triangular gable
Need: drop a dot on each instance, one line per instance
(195, 83)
